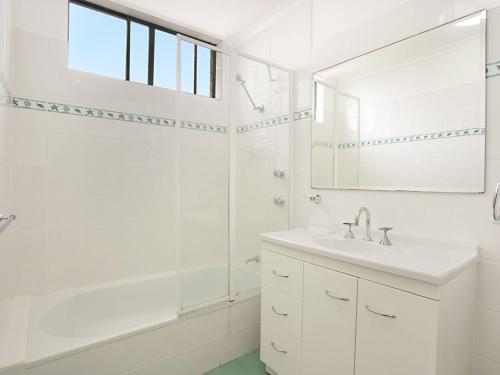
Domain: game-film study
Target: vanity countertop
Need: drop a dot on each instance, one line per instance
(431, 261)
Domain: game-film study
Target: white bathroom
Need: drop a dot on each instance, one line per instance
(249, 187)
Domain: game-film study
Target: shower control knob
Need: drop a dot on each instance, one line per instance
(279, 173)
(279, 201)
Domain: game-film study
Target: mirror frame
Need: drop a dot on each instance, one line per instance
(484, 14)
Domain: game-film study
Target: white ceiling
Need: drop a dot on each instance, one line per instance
(221, 19)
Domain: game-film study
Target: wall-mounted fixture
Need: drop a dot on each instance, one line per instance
(315, 198)
(5, 221)
(279, 201)
(242, 82)
(279, 173)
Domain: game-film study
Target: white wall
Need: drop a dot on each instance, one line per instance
(101, 199)
(306, 41)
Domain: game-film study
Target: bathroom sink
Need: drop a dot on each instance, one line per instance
(349, 246)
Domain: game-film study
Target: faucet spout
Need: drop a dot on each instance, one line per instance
(368, 236)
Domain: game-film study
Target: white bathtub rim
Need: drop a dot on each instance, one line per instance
(64, 346)
(135, 332)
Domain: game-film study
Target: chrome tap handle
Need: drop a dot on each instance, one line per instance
(279, 173)
(279, 201)
(349, 235)
(315, 198)
(385, 240)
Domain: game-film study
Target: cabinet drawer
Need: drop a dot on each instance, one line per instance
(279, 351)
(282, 273)
(397, 332)
(281, 311)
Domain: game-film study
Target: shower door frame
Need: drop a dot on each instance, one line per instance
(233, 292)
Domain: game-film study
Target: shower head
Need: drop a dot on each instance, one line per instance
(240, 79)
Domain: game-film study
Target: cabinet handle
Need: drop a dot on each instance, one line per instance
(370, 309)
(330, 294)
(277, 274)
(278, 313)
(278, 349)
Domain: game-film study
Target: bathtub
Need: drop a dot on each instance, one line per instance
(71, 321)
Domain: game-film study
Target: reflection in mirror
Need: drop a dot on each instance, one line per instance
(409, 116)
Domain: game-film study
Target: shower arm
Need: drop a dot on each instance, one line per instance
(6, 221)
(257, 108)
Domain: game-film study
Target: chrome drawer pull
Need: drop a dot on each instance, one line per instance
(278, 313)
(370, 309)
(330, 294)
(278, 349)
(277, 274)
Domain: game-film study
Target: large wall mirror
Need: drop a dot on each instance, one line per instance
(409, 116)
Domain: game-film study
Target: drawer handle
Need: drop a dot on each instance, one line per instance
(330, 294)
(370, 309)
(278, 313)
(278, 349)
(277, 274)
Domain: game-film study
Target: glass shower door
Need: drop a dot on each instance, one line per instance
(260, 103)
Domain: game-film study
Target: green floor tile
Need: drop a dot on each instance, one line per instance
(249, 364)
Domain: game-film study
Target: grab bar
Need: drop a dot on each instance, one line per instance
(5, 222)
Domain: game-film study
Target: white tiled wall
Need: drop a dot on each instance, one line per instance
(96, 199)
(464, 218)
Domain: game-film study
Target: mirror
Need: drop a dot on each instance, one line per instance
(409, 116)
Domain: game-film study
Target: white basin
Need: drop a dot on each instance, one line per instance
(341, 244)
(422, 259)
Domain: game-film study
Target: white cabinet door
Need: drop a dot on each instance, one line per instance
(329, 322)
(396, 333)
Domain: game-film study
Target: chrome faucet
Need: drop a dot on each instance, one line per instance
(368, 236)
(255, 259)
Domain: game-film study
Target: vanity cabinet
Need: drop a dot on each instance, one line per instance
(322, 316)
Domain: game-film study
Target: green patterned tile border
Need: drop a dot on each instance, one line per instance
(283, 119)
(493, 69)
(77, 110)
(318, 144)
(204, 127)
(416, 138)
(342, 146)
(303, 114)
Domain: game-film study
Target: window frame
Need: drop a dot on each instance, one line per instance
(151, 48)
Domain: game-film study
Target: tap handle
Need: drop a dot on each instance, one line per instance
(385, 240)
(349, 235)
(385, 229)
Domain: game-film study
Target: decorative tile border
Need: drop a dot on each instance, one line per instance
(318, 144)
(416, 138)
(204, 127)
(342, 146)
(283, 119)
(69, 109)
(493, 69)
(303, 114)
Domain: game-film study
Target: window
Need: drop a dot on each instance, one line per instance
(98, 42)
(139, 52)
(112, 44)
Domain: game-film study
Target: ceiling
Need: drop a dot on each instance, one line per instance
(221, 19)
